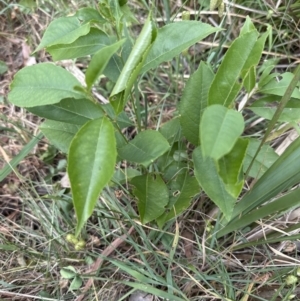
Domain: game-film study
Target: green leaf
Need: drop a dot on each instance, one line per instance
(228, 81)
(152, 194)
(68, 272)
(76, 283)
(194, 101)
(230, 167)
(59, 134)
(173, 38)
(74, 111)
(248, 26)
(63, 30)
(267, 106)
(286, 202)
(99, 62)
(171, 130)
(206, 173)
(263, 161)
(276, 87)
(183, 190)
(83, 46)
(92, 158)
(88, 14)
(132, 66)
(284, 173)
(220, 128)
(146, 147)
(43, 84)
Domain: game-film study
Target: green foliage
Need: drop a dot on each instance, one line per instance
(163, 172)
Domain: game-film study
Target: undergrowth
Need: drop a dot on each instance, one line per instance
(186, 258)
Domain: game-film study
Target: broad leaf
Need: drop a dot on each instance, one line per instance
(279, 86)
(152, 194)
(267, 106)
(231, 166)
(265, 158)
(91, 163)
(194, 101)
(74, 111)
(59, 134)
(146, 147)
(228, 82)
(99, 62)
(206, 173)
(63, 30)
(122, 176)
(83, 46)
(220, 128)
(183, 189)
(43, 84)
(284, 173)
(132, 66)
(173, 38)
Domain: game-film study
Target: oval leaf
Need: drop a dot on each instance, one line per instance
(60, 134)
(206, 172)
(173, 38)
(226, 83)
(83, 46)
(63, 30)
(220, 128)
(74, 111)
(194, 101)
(43, 84)
(92, 158)
(146, 147)
(152, 194)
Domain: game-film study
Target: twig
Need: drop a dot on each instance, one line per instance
(97, 264)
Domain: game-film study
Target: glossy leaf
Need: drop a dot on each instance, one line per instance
(228, 79)
(206, 172)
(194, 101)
(281, 204)
(267, 106)
(284, 173)
(220, 128)
(74, 111)
(83, 46)
(231, 166)
(43, 84)
(279, 86)
(132, 66)
(146, 147)
(91, 164)
(152, 194)
(173, 38)
(64, 30)
(263, 161)
(99, 62)
(183, 189)
(59, 134)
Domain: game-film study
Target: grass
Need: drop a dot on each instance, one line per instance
(185, 258)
